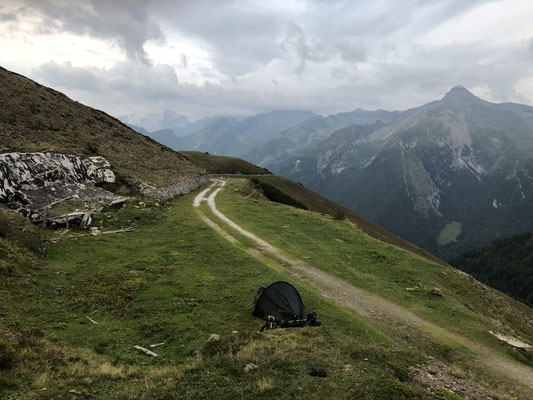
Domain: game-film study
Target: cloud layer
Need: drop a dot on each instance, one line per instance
(241, 57)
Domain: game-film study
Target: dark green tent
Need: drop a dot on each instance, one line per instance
(279, 299)
(280, 305)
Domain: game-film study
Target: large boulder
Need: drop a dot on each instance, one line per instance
(33, 182)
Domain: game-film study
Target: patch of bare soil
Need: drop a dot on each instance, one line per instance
(434, 377)
(511, 340)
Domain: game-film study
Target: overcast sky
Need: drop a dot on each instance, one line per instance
(217, 57)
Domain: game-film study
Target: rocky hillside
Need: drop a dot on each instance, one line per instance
(449, 176)
(36, 118)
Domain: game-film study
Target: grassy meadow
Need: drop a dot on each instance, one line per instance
(174, 280)
(466, 307)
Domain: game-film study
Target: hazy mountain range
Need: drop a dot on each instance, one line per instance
(449, 176)
(218, 135)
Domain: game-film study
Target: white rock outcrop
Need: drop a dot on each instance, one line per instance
(31, 181)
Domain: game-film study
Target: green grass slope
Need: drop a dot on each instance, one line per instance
(466, 307)
(36, 118)
(20, 244)
(222, 165)
(174, 280)
(315, 202)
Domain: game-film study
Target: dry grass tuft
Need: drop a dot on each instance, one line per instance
(41, 380)
(110, 371)
(265, 384)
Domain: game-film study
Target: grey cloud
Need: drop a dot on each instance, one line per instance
(357, 19)
(429, 73)
(131, 87)
(296, 41)
(66, 76)
(343, 73)
(368, 50)
(245, 35)
(351, 50)
(7, 16)
(125, 22)
(10, 13)
(241, 36)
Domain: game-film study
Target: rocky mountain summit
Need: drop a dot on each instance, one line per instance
(450, 176)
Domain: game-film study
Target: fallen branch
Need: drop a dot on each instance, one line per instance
(117, 201)
(117, 231)
(156, 344)
(60, 219)
(74, 235)
(92, 320)
(150, 353)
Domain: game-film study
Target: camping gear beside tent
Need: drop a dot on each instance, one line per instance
(280, 305)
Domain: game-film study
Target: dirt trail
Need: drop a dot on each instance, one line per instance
(366, 304)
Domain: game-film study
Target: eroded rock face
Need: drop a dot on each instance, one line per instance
(30, 182)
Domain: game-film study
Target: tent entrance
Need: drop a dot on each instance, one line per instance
(281, 306)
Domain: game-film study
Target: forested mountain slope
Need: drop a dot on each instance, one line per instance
(507, 265)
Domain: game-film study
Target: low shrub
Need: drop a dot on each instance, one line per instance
(7, 355)
(91, 148)
(19, 230)
(339, 215)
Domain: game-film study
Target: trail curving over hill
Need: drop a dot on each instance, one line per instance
(368, 305)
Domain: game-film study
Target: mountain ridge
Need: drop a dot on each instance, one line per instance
(449, 160)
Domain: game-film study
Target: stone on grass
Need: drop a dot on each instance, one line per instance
(250, 367)
(213, 338)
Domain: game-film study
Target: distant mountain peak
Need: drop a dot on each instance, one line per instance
(459, 88)
(460, 93)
